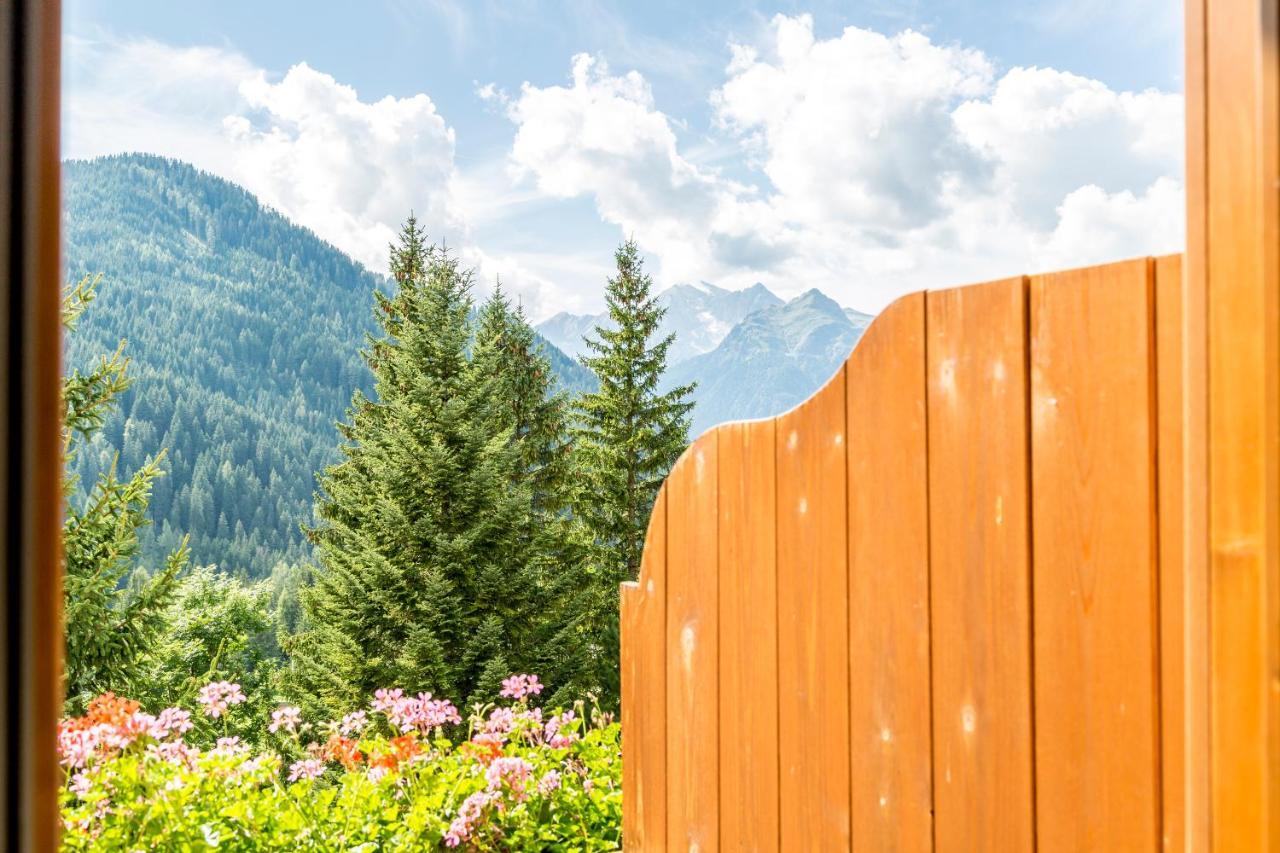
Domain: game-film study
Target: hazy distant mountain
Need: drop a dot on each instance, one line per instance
(860, 321)
(701, 315)
(772, 360)
(566, 331)
(751, 354)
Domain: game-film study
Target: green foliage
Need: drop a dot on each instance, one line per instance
(246, 329)
(538, 417)
(217, 628)
(506, 785)
(242, 327)
(450, 487)
(528, 403)
(628, 437)
(108, 626)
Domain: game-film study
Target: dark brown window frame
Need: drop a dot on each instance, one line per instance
(30, 469)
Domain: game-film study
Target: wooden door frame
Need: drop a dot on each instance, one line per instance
(1232, 425)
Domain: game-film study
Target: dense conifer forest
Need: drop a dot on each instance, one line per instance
(244, 333)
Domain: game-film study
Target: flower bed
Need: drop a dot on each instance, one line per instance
(389, 777)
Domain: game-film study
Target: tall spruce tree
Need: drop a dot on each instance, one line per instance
(536, 415)
(420, 578)
(627, 438)
(109, 625)
(527, 402)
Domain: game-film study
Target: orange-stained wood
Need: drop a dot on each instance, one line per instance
(644, 693)
(748, 637)
(865, 562)
(1096, 605)
(890, 737)
(813, 630)
(1195, 476)
(693, 815)
(1173, 613)
(980, 594)
(1243, 336)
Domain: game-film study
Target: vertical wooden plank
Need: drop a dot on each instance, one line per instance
(748, 637)
(890, 709)
(1095, 601)
(629, 638)
(644, 693)
(1195, 473)
(980, 576)
(813, 638)
(692, 637)
(1243, 404)
(1172, 581)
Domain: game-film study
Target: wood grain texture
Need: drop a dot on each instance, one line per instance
(1096, 605)
(31, 487)
(890, 708)
(1195, 472)
(693, 815)
(866, 562)
(1173, 613)
(1243, 429)
(813, 631)
(980, 575)
(748, 637)
(644, 693)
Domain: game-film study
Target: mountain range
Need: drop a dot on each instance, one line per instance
(750, 354)
(770, 361)
(244, 331)
(700, 316)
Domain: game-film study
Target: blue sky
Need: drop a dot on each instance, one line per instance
(865, 148)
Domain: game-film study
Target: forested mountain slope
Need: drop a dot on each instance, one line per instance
(244, 331)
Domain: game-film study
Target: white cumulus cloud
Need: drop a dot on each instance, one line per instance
(603, 136)
(866, 164)
(306, 144)
(882, 163)
(348, 169)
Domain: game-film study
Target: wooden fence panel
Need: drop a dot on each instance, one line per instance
(813, 628)
(1175, 647)
(693, 821)
(889, 704)
(939, 605)
(644, 708)
(748, 637)
(978, 519)
(1093, 508)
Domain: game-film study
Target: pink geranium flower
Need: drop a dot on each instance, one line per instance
(549, 782)
(511, 772)
(519, 686)
(307, 768)
(354, 723)
(286, 718)
(175, 721)
(554, 732)
(217, 696)
(469, 815)
(421, 712)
